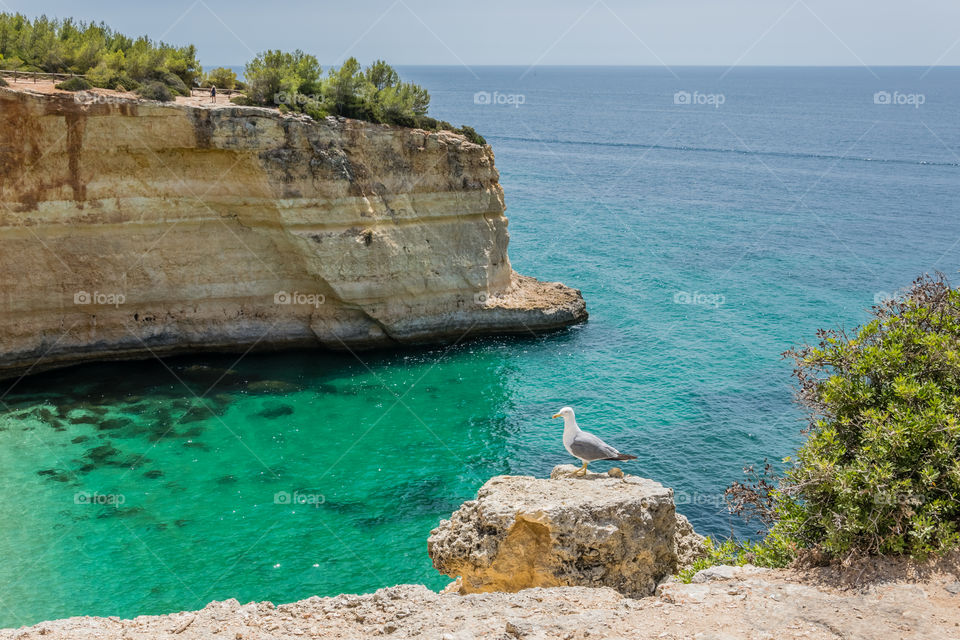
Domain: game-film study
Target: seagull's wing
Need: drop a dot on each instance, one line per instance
(587, 446)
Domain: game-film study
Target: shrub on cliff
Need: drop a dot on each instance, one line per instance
(155, 91)
(471, 135)
(879, 473)
(3, 83)
(176, 84)
(292, 82)
(880, 470)
(74, 84)
(68, 46)
(109, 78)
(221, 78)
(276, 77)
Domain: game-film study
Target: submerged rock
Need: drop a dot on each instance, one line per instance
(597, 531)
(103, 452)
(274, 411)
(114, 423)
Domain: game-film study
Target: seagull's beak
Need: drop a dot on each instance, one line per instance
(556, 415)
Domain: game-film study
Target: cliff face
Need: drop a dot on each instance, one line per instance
(132, 227)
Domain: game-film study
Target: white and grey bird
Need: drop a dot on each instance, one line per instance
(584, 446)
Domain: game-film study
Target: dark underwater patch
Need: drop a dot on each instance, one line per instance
(272, 412)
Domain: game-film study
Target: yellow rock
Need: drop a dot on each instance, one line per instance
(594, 531)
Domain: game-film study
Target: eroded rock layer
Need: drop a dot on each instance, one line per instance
(129, 228)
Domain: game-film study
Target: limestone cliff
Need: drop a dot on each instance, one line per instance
(130, 227)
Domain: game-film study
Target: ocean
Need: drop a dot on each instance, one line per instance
(713, 218)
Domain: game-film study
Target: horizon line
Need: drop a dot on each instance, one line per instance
(676, 66)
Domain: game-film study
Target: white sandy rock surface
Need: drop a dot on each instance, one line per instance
(756, 604)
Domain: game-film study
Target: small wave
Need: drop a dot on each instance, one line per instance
(778, 154)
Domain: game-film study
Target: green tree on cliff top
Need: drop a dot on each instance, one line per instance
(108, 58)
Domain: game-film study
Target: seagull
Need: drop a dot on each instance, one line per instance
(585, 446)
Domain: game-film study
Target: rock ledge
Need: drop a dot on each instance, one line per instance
(600, 530)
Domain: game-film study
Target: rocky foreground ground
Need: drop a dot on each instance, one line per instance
(724, 603)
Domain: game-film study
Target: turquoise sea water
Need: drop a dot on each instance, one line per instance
(706, 239)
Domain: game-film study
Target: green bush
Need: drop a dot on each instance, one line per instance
(103, 76)
(275, 77)
(880, 470)
(75, 83)
(471, 135)
(315, 111)
(123, 82)
(221, 78)
(109, 77)
(176, 85)
(3, 83)
(772, 552)
(156, 91)
(11, 62)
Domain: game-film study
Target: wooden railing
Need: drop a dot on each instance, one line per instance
(205, 91)
(38, 75)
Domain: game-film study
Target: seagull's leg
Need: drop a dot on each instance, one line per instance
(582, 471)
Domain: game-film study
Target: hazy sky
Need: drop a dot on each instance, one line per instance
(527, 32)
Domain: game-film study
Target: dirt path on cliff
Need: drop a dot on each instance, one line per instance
(727, 603)
(198, 99)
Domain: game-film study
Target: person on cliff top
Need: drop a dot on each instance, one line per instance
(213, 93)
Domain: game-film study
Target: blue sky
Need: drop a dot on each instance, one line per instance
(527, 32)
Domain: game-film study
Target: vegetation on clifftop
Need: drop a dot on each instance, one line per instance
(221, 78)
(159, 71)
(879, 473)
(295, 82)
(109, 59)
